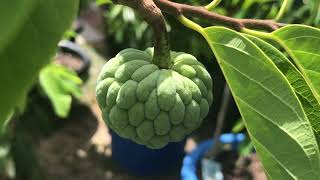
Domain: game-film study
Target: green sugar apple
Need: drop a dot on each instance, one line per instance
(153, 106)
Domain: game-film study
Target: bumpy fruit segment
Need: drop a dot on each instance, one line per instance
(153, 106)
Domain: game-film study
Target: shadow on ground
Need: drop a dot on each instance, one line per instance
(70, 155)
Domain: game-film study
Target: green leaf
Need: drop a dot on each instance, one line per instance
(315, 6)
(273, 115)
(102, 2)
(30, 31)
(11, 20)
(239, 126)
(273, 168)
(69, 34)
(245, 148)
(308, 100)
(302, 44)
(60, 83)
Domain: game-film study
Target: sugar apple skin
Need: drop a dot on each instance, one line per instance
(153, 106)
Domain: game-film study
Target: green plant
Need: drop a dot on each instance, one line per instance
(28, 40)
(60, 84)
(272, 68)
(277, 95)
(125, 28)
(29, 37)
(153, 106)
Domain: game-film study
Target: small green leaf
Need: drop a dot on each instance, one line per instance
(69, 34)
(245, 148)
(308, 100)
(239, 126)
(102, 2)
(274, 117)
(60, 83)
(30, 31)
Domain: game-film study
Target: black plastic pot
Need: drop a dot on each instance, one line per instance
(73, 49)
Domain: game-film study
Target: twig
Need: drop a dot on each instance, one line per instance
(213, 4)
(153, 15)
(177, 9)
(220, 120)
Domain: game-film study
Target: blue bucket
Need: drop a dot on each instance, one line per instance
(190, 161)
(142, 161)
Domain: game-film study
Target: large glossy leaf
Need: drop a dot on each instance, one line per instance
(273, 115)
(33, 37)
(302, 44)
(12, 21)
(308, 100)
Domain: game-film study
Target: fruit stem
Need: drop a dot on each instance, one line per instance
(161, 56)
(154, 17)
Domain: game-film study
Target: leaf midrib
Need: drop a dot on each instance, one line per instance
(273, 157)
(266, 117)
(271, 121)
(259, 82)
(298, 37)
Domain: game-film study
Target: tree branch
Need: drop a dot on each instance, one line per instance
(177, 9)
(153, 15)
(150, 10)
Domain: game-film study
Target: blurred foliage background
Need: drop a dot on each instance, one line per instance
(125, 28)
(52, 94)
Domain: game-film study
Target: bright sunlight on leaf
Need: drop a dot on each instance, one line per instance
(267, 104)
(302, 44)
(60, 83)
(29, 39)
(308, 100)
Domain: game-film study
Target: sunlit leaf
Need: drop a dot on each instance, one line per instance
(302, 43)
(60, 83)
(268, 106)
(308, 100)
(102, 2)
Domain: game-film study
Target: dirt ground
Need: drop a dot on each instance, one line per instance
(78, 151)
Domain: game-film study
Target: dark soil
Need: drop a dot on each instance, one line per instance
(70, 153)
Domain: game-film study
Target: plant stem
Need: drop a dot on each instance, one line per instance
(282, 10)
(190, 24)
(23, 152)
(259, 34)
(177, 9)
(220, 119)
(161, 56)
(315, 11)
(154, 17)
(213, 4)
